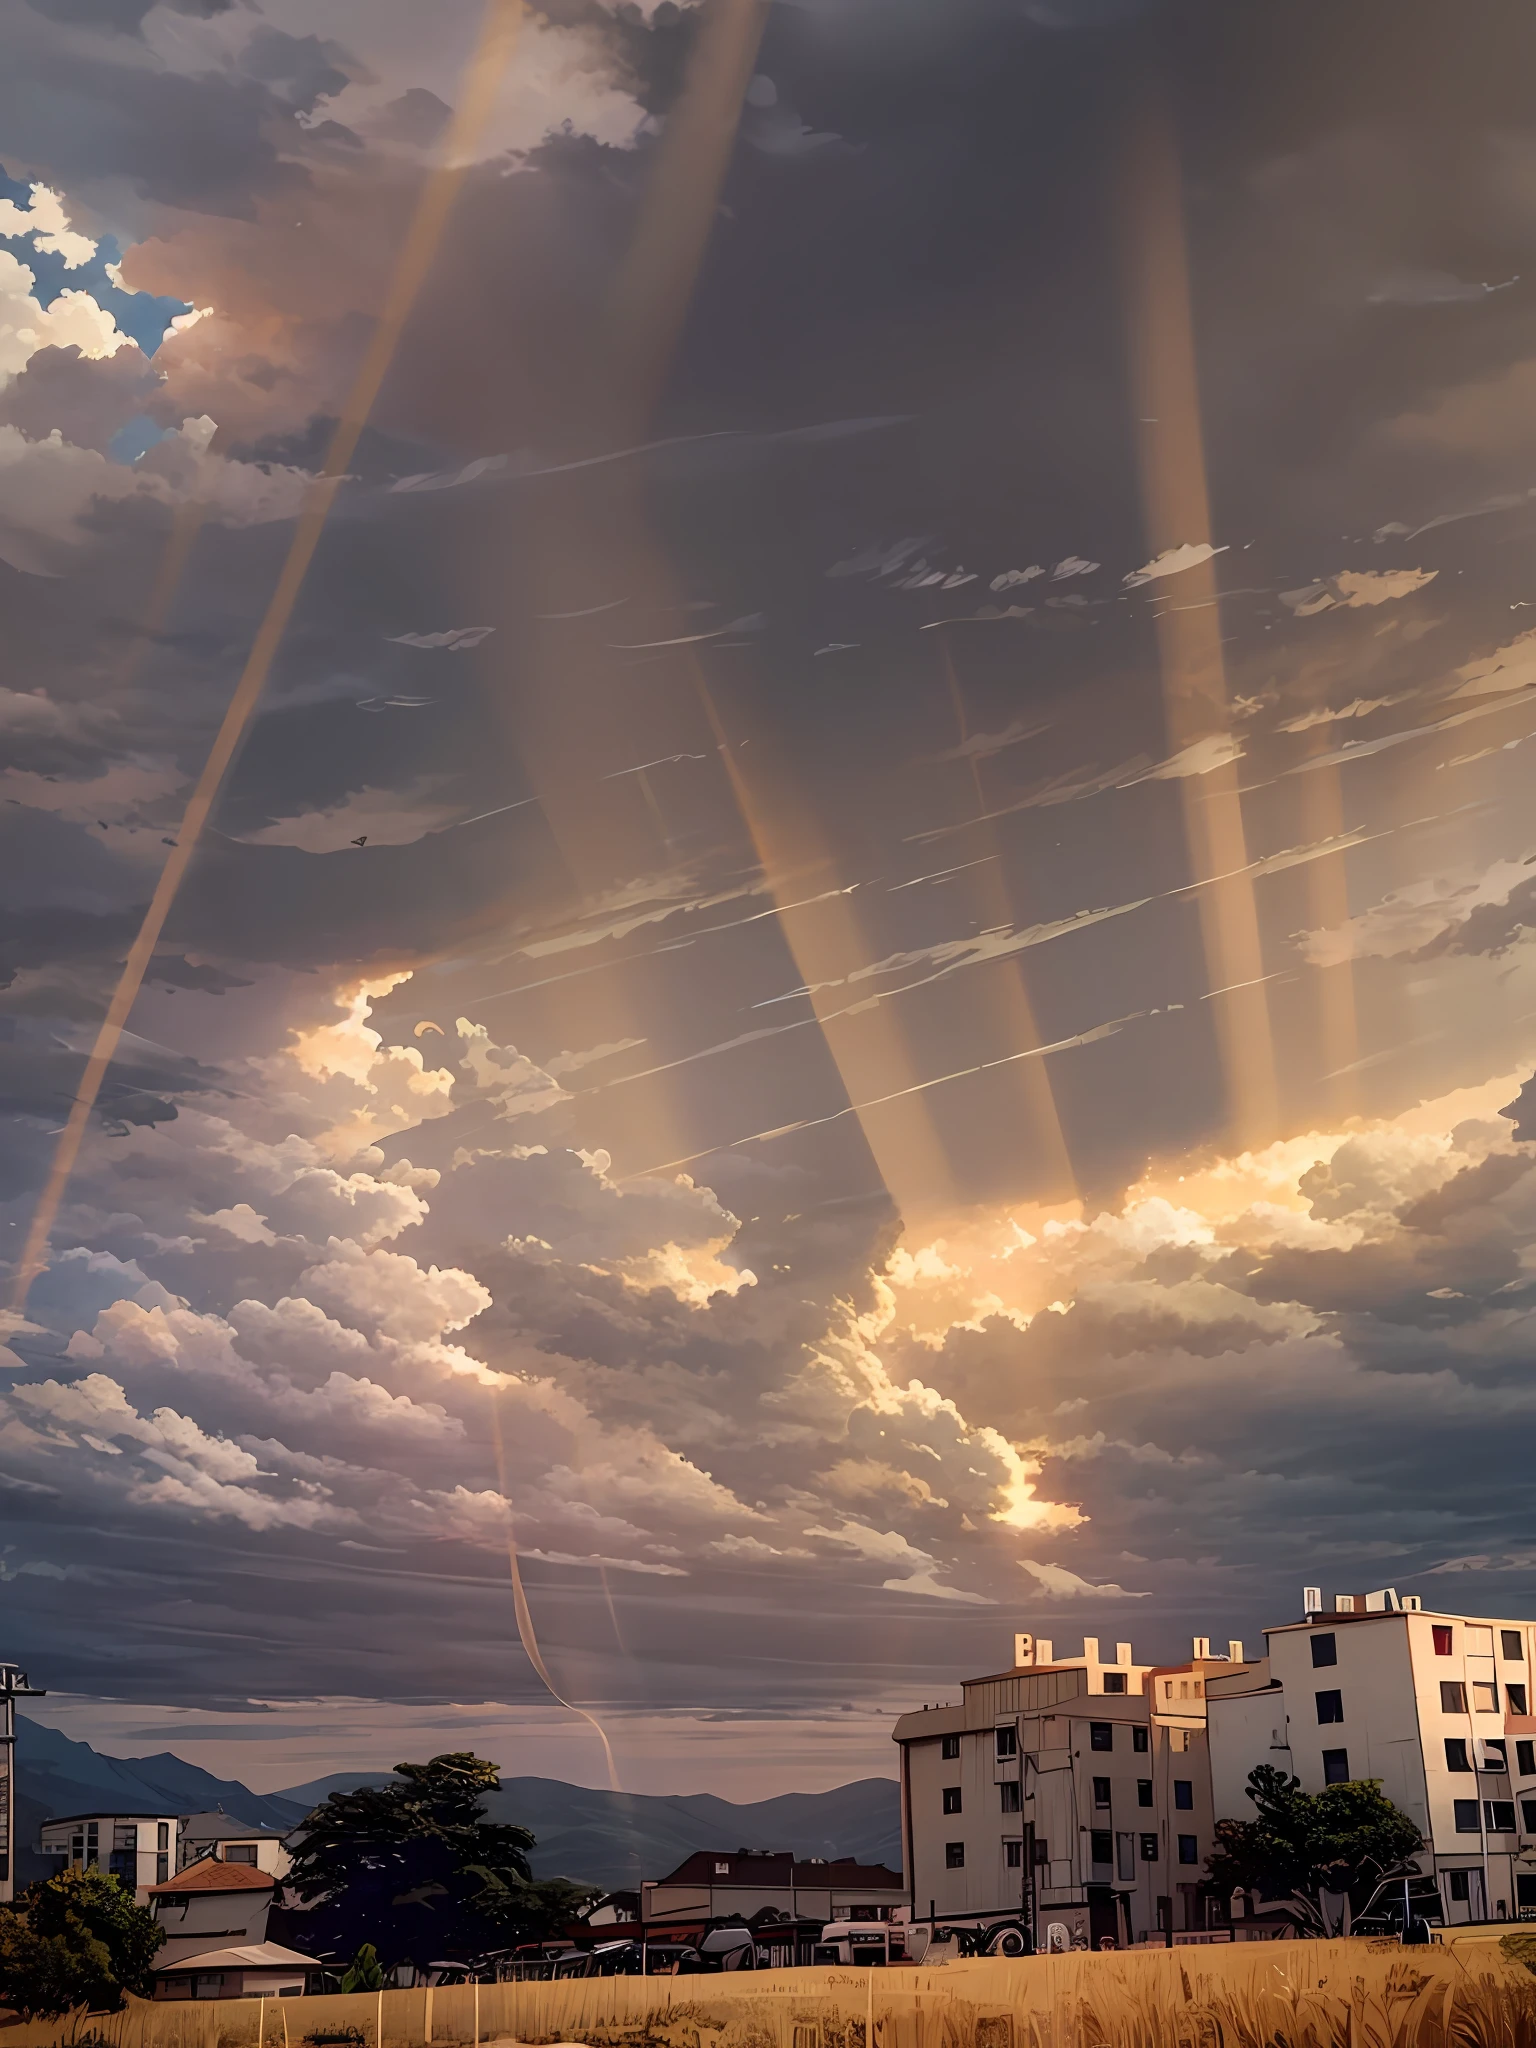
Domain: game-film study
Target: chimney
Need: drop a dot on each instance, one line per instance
(1202, 1647)
(1045, 1650)
(1123, 1654)
(1235, 1653)
(1311, 1599)
(1023, 1650)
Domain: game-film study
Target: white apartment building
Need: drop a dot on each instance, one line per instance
(1436, 1706)
(137, 1847)
(1071, 1790)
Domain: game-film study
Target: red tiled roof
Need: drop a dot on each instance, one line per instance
(209, 1875)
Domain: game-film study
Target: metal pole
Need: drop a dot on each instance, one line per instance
(1477, 1776)
(13, 1686)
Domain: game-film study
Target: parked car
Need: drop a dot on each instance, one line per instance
(1398, 1903)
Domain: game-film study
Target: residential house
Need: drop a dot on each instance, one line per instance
(1072, 1791)
(1436, 1706)
(211, 1904)
(136, 1847)
(261, 1969)
(232, 1841)
(715, 1884)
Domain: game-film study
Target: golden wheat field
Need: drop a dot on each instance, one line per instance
(1466, 1993)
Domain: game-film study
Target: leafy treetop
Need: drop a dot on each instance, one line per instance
(415, 1869)
(75, 1939)
(1342, 1839)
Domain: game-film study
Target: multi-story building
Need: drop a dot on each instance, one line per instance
(137, 1847)
(1070, 1790)
(1436, 1706)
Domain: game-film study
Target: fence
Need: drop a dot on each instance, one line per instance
(1305, 1994)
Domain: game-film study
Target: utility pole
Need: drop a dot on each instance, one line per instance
(13, 1687)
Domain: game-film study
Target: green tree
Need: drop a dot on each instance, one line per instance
(75, 1939)
(1342, 1839)
(415, 1868)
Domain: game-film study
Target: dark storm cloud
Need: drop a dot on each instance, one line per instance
(293, 1277)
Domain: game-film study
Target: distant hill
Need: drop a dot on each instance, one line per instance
(608, 1838)
(56, 1776)
(616, 1838)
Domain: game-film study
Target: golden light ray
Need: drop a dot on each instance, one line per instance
(1005, 996)
(654, 287)
(482, 78)
(1327, 900)
(870, 1049)
(1176, 508)
(527, 1635)
(570, 698)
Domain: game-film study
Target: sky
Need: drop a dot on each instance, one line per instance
(861, 979)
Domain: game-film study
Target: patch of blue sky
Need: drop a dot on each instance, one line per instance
(142, 315)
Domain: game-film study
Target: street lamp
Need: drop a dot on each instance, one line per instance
(13, 1687)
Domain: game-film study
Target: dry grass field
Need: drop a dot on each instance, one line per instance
(1471, 1992)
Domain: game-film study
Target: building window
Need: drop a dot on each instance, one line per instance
(1101, 1845)
(1143, 1791)
(1525, 1757)
(1189, 1849)
(240, 1852)
(1101, 1734)
(1139, 1740)
(1042, 1850)
(1515, 1699)
(1012, 1799)
(1495, 1756)
(1167, 1688)
(1499, 1815)
(1528, 1815)
(722, 1870)
(1442, 1638)
(1460, 1885)
(1330, 1707)
(1184, 1794)
(1149, 1848)
(208, 1984)
(1509, 1643)
(1101, 1791)
(1007, 1742)
(951, 1798)
(163, 1838)
(1466, 1817)
(162, 1869)
(954, 1855)
(1013, 1855)
(1325, 1650)
(1114, 1681)
(1456, 1758)
(1485, 1697)
(1453, 1696)
(1525, 1896)
(949, 1748)
(1335, 1766)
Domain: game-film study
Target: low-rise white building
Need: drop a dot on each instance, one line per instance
(209, 1905)
(139, 1848)
(1436, 1706)
(232, 1841)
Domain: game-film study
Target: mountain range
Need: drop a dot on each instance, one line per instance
(605, 1838)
